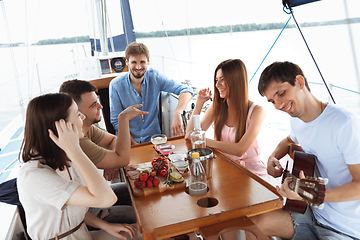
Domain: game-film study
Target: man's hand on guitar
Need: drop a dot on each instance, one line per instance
(311, 190)
(285, 190)
(274, 167)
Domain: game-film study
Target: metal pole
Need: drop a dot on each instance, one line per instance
(102, 24)
(37, 70)
(21, 102)
(76, 69)
(163, 64)
(356, 66)
(189, 40)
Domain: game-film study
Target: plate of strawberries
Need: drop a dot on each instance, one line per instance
(158, 178)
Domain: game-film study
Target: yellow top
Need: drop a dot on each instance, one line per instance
(195, 155)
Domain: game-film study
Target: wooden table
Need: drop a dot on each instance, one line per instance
(240, 194)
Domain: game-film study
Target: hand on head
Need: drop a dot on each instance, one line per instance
(68, 136)
(132, 112)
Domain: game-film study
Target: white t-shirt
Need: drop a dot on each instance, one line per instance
(334, 137)
(43, 193)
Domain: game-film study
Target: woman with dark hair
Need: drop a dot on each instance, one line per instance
(57, 182)
(237, 120)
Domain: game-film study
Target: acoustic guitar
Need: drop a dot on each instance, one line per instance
(312, 190)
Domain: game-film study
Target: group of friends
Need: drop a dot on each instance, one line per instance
(65, 196)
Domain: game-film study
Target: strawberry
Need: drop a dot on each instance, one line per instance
(156, 182)
(142, 184)
(143, 176)
(149, 183)
(136, 182)
(153, 173)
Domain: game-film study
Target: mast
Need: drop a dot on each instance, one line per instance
(102, 23)
(118, 42)
(128, 26)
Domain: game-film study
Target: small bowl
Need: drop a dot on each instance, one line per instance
(181, 165)
(158, 139)
(177, 156)
(165, 148)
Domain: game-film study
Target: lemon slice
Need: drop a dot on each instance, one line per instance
(175, 176)
(178, 180)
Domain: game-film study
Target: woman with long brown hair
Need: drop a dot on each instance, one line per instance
(237, 120)
(57, 182)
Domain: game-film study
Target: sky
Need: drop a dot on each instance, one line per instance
(33, 20)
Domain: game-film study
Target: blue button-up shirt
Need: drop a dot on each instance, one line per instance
(123, 94)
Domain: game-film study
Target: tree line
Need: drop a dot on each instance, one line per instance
(64, 40)
(201, 30)
(238, 28)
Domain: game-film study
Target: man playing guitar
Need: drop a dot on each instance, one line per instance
(332, 134)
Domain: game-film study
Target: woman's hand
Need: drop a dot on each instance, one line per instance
(115, 229)
(187, 135)
(68, 136)
(204, 95)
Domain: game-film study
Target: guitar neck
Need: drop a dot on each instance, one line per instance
(302, 161)
(310, 189)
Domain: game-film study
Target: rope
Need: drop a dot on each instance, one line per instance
(297, 25)
(167, 36)
(4, 170)
(342, 88)
(270, 49)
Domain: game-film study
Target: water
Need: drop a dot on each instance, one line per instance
(42, 69)
(197, 188)
(198, 144)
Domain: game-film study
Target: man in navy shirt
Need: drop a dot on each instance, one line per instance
(143, 86)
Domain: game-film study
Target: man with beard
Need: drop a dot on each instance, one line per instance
(104, 149)
(143, 86)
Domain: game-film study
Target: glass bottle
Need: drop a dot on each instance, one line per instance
(197, 179)
(197, 137)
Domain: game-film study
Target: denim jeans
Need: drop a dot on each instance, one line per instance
(308, 228)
